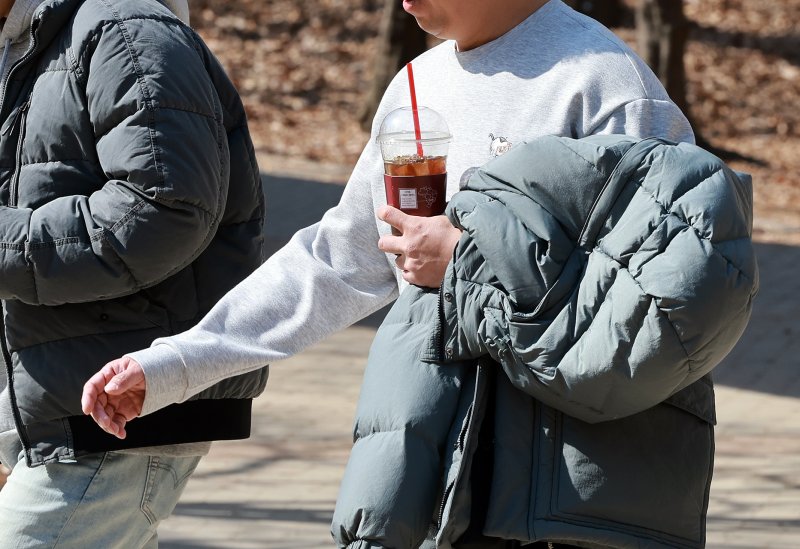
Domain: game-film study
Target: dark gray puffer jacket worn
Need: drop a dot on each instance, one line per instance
(557, 387)
(130, 203)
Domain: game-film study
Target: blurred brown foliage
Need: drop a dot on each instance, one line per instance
(303, 68)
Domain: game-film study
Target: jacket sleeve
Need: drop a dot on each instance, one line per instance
(161, 146)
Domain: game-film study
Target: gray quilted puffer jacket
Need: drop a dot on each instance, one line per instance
(557, 387)
(130, 203)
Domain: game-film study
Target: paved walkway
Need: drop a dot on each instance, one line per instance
(277, 489)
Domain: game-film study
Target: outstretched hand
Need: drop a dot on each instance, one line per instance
(115, 395)
(423, 249)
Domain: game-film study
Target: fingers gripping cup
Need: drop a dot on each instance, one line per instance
(415, 160)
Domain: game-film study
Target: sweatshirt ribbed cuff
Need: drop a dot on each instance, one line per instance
(164, 374)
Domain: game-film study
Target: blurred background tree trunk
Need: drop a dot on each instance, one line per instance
(661, 33)
(400, 41)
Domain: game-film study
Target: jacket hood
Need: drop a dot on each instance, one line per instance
(179, 7)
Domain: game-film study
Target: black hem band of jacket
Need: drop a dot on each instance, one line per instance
(192, 421)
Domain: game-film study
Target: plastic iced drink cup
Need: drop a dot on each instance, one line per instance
(415, 170)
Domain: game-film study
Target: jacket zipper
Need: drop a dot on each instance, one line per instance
(444, 503)
(22, 60)
(440, 353)
(461, 444)
(20, 118)
(462, 436)
(23, 435)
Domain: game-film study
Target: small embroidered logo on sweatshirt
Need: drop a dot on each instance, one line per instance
(498, 146)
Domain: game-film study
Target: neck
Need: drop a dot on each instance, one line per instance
(496, 21)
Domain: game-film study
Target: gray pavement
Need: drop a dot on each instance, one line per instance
(277, 489)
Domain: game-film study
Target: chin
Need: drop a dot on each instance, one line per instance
(428, 27)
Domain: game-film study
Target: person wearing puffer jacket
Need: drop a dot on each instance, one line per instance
(562, 395)
(130, 202)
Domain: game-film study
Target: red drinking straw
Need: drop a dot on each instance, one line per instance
(414, 110)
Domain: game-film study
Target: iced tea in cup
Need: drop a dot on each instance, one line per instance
(415, 169)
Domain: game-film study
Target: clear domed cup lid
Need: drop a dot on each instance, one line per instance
(397, 135)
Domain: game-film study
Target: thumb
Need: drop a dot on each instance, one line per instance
(128, 379)
(393, 216)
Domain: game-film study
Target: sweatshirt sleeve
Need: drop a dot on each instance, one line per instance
(327, 277)
(646, 117)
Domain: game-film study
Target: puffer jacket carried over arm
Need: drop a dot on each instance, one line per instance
(637, 277)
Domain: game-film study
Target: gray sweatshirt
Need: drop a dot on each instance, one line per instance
(557, 72)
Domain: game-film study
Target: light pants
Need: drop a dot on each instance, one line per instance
(103, 501)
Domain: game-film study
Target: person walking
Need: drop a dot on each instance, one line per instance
(130, 201)
(507, 72)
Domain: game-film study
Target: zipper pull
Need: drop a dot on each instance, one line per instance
(14, 117)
